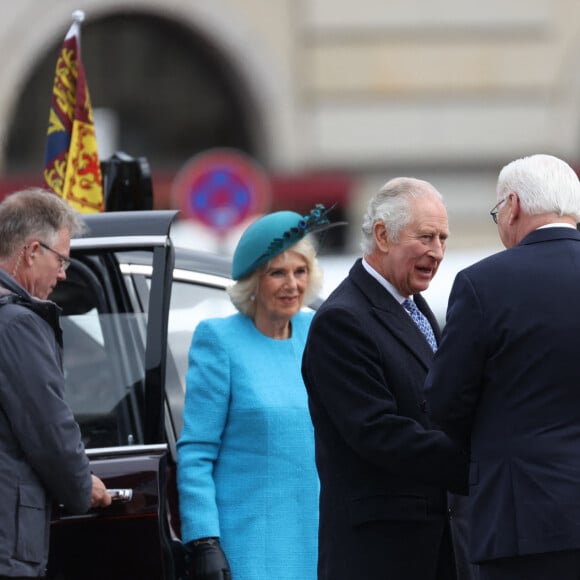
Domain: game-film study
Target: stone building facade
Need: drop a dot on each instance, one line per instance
(446, 90)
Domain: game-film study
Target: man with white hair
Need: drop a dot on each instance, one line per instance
(506, 378)
(384, 472)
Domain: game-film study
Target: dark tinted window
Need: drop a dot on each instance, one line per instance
(104, 330)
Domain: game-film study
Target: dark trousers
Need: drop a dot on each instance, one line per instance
(446, 569)
(563, 565)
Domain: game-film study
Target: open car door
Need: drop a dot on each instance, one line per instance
(115, 351)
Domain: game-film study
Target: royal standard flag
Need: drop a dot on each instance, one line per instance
(71, 166)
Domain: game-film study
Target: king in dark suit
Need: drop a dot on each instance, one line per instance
(506, 378)
(383, 471)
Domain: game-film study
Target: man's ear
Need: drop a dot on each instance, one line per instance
(381, 236)
(514, 209)
(31, 248)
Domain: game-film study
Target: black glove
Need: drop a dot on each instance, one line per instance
(208, 561)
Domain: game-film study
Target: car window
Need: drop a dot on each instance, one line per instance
(101, 382)
(105, 299)
(104, 337)
(191, 303)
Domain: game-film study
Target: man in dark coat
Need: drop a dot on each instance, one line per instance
(507, 378)
(383, 472)
(42, 457)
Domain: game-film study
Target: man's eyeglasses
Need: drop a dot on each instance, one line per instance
(64, 261)
(495, 209)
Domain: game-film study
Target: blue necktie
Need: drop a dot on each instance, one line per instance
(421, 321)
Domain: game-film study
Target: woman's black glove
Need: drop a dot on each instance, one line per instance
(208, 561)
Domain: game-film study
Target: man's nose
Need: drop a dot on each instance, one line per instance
(437, 249)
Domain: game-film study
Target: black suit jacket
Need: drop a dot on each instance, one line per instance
(507, 377)
(383, 473)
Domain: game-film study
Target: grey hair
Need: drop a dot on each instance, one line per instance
(34, 213)
(543, 183)
(391, 205)
(243, 292)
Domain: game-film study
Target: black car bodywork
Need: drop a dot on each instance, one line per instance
(130, 303)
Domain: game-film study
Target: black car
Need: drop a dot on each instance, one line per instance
(130, 304)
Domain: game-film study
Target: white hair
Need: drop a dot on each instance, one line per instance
(543, 183)
(392, 206)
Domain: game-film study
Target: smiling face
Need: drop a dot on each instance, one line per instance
(280, 291)
(412, 261)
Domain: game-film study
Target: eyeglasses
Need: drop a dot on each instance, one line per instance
(64, 261)
(495, 209)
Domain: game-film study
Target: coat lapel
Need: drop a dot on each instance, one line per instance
(393, 317)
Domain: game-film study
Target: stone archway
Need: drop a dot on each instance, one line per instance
(167, 87)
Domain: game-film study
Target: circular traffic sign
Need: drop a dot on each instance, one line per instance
(221, 188)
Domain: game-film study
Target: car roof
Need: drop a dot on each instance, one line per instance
(187, 259)
(203, 261)
(129, 223)
(126, 229)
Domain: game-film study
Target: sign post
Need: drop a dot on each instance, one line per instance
(221, 188)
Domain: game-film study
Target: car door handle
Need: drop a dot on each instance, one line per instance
(121, 495)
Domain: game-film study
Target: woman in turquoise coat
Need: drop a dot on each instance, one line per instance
(247, 480)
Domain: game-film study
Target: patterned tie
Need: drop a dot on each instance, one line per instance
(421, 321)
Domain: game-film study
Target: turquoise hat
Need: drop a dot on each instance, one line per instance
(271, 235)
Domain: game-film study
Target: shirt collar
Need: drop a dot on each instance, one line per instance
(383, 281)
(557, 225)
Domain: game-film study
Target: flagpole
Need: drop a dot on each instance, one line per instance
(78, 17)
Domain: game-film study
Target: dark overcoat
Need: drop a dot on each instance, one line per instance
(383, 471)
(507, 379)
